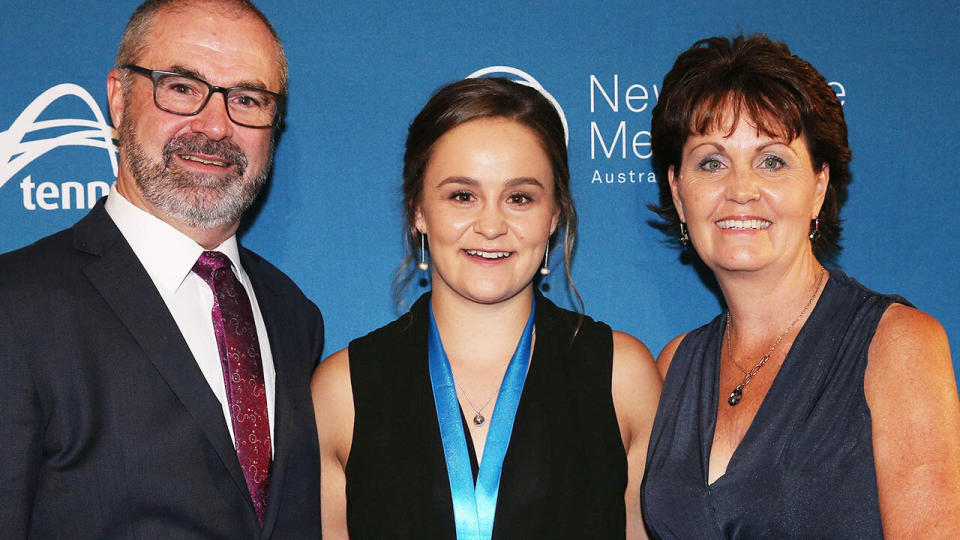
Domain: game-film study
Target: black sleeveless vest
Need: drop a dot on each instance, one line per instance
(565, 470)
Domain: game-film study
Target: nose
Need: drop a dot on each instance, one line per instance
(213, 120)
(743, 186)
(490, 223)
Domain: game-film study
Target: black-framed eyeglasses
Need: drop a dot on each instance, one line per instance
(184, 95)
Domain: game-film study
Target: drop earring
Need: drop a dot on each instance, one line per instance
(423, 253)
(684, 237)
(545, 269)
(816, 229)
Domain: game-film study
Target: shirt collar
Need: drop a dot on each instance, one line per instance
(167, 254)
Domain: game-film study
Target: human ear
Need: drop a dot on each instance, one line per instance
(674, 180)
(554, 221)
(115, 97)
(823, 180)
(419, 222)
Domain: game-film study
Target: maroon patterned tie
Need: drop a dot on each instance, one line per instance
(242, 372)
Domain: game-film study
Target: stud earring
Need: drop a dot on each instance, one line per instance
(423, 253)
(816, 228)
(545, 269)
(684, 237)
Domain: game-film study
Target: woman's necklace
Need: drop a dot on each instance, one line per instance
(479, 418)
(737, 393)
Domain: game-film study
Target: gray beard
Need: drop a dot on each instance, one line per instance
(198, 200)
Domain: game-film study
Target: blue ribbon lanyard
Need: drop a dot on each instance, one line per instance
(474, 507)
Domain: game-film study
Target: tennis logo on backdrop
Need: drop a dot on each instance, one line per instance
(525, 78)
(29, 138)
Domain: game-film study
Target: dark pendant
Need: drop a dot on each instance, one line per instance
(479, 419)
(735, 396)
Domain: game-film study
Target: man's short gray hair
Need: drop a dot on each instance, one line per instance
(133, 43)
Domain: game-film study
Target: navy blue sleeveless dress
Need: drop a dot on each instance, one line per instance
(805, 466)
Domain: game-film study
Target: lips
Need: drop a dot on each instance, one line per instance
(488, 255)
(743, 224)
(207, 161)
(199, 149)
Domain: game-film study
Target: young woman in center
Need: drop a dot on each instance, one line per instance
(486, 411)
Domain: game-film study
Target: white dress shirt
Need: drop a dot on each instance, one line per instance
(168, 257)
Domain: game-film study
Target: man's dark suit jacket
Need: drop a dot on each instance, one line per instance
(108, 428)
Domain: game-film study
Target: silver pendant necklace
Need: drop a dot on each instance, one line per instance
(737, 394)
(478, 419)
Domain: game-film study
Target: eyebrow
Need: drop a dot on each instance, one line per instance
(764, 146)
(523, 180)
(197, 75)
(777, 142)
(718, 146)
(513, 182)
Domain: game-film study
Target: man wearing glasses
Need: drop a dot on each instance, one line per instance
(154, 375)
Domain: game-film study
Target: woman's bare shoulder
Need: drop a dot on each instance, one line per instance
(666, 355)
(911, 390)
(636, 385)
(632, 359)
(908, 346)
(333, 403)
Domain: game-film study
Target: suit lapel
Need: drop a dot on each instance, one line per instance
(125, 285)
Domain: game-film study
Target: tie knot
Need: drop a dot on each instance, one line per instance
(208, 263)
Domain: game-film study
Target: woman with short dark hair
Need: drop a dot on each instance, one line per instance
(811, 407)
(486, 411)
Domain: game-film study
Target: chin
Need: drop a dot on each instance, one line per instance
(487, 297)
(734, 262)
(492, 294)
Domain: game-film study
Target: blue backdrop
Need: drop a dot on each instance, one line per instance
(359, 72)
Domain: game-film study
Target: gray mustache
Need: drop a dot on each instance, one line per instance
(200, 144)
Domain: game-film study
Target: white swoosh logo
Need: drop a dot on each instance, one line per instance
(527, 80)
(15, 154)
